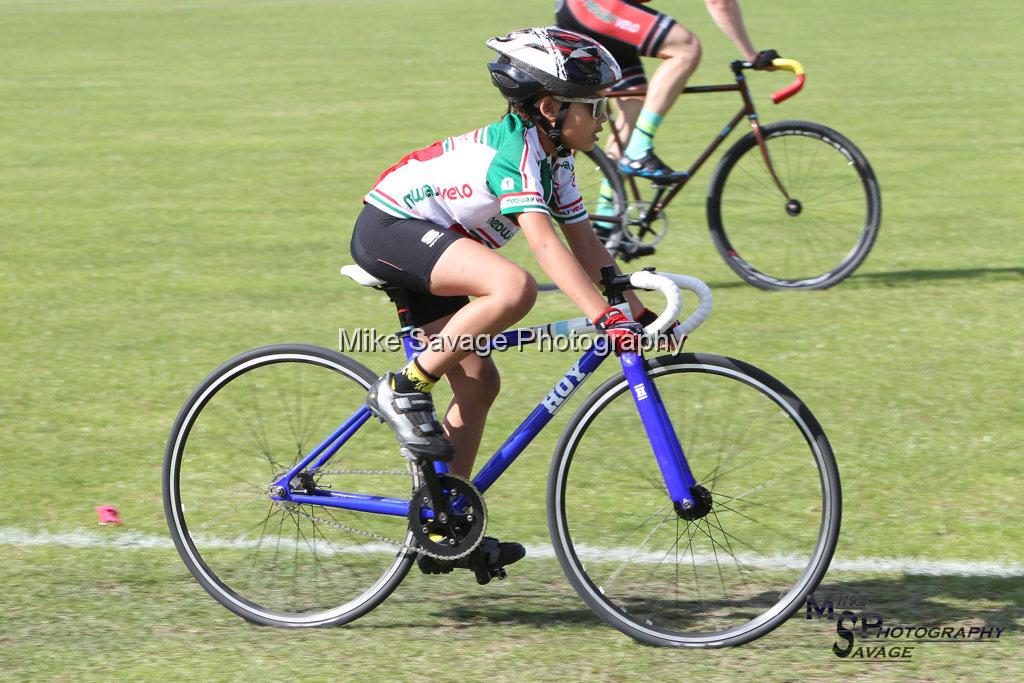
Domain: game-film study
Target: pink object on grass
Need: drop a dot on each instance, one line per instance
(108, 514)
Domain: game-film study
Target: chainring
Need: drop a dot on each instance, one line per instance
(636, 232)
(463, 525)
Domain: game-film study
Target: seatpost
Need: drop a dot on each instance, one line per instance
(400, 299)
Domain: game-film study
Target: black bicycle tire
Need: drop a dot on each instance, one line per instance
(558, 525)
(859, 251)
(172, 499)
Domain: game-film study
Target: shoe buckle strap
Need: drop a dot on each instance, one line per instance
(428, 428)
(406, 403)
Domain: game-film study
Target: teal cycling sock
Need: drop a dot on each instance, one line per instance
(642, 138)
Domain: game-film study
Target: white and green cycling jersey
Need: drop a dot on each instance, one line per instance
(477, 183)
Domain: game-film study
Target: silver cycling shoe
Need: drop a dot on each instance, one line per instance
(411, 416)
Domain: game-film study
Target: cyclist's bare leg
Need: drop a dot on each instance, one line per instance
(475, 383)
(681, 53)
(629, 110)
(504, 293)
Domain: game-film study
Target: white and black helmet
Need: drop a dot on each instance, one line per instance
(534, 62)
(550, 61)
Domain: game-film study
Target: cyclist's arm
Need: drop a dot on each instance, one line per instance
(560, 264)
(729, 19)
(592, 255)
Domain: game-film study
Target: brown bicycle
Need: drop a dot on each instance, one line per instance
(791, 205)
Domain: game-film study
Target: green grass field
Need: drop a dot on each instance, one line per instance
(178, 183)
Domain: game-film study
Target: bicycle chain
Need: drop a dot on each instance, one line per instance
(404, 473)
(401, 545)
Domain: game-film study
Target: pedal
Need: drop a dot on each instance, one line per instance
(500, 573)
(483, 575)
(479, 567)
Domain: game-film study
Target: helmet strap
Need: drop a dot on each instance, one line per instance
(554, 133)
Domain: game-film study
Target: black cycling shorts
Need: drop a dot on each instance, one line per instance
(403, 251)
(626, 28)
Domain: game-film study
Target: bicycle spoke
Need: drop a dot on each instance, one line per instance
(717, 573)
(269, 563)
(803, 243)
(615, 574)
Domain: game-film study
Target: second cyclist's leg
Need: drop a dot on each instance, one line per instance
(680, 51)
(621, 127)
(624, 29)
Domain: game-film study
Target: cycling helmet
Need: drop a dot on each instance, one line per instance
(534, 62)
(550, 61)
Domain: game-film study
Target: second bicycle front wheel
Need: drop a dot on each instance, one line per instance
(816, 234)
(735, 573)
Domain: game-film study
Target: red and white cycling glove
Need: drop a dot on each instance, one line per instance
(623, 333)
(647, 316)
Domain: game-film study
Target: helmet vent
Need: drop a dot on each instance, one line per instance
(503, 81)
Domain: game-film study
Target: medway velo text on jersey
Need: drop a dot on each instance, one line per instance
(476, 183)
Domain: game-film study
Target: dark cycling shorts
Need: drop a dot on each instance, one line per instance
(403, 251)
(627, 28)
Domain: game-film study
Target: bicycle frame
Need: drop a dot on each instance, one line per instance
(675, 471)
(666, 192)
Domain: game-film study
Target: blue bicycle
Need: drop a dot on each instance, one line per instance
(693, 500)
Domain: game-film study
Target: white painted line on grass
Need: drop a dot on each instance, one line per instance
(127, 540)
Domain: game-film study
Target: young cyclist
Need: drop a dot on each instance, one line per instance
(433, 224)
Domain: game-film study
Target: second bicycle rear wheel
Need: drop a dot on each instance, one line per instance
(735, 573)
(811, 239)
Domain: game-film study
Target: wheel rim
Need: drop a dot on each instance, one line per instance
(816, 234)
(735, 573)
(258, 557)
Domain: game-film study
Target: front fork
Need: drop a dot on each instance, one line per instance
(675, 471)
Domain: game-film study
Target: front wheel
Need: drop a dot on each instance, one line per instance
(747, 564)
(816, 234)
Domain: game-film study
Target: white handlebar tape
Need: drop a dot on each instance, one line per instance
(644, 279)
(669, 285)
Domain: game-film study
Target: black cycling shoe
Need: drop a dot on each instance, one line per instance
(411, 416)
(488, 560)
(625, 249)
(650, 166)
(630, 251)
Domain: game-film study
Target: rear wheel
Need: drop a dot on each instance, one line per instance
(815, 237)
(746, 564)
(275, 563)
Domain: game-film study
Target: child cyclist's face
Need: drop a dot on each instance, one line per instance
(581, 128)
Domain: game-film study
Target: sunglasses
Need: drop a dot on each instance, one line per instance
(599, 105)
